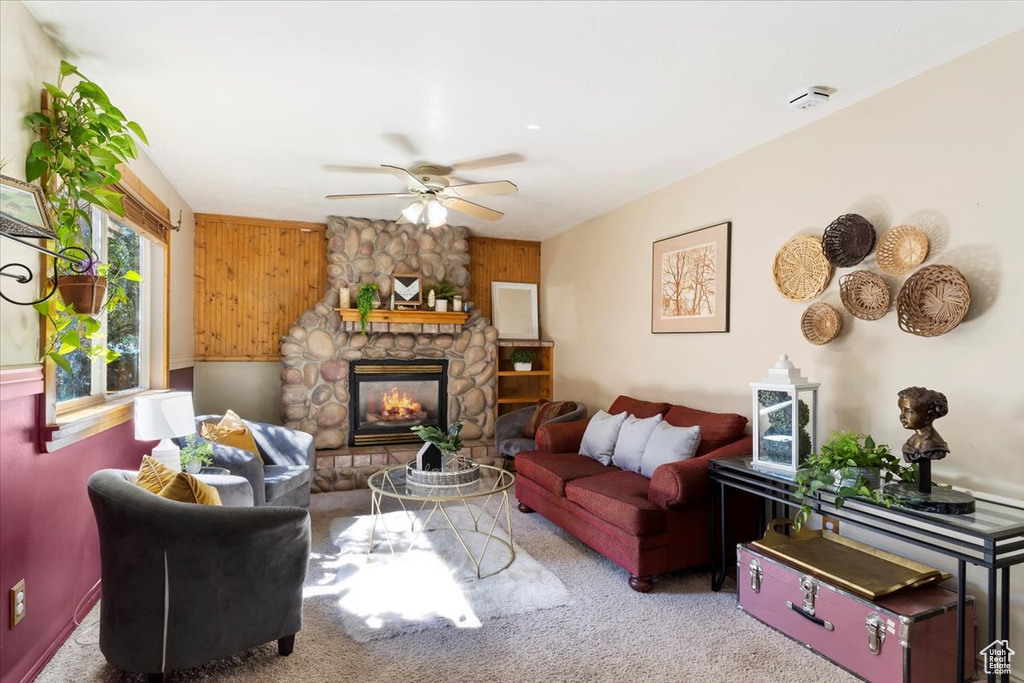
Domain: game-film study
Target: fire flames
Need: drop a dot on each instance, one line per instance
(399, 406)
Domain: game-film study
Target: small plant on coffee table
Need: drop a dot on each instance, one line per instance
(450, 442)
(196, 453)
(841, 467)
(522, 359)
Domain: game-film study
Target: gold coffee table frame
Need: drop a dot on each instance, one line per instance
(494, 484)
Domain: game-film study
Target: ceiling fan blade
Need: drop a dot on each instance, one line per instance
(363, 196)
(488, 162)
(475, 189)
(472, 209)
(353, 169)
(404, 176)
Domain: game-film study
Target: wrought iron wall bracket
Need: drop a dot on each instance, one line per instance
(78, 265)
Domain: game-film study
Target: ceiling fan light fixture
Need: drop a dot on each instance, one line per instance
(436, 214)
(413, 212)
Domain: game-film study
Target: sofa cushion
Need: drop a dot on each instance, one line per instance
(669, 444)
(231, 431)
(554, 470)
(515, 445)
(153, 475)
(716, 429)
(186, 488)
(633, 437)
(634, 406)
(281, 479)
(600, 437)
(619, 498)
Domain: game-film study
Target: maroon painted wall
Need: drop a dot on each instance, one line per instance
(182, 379)
(47, 531)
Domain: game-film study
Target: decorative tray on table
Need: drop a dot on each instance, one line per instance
(848, 564)
(464, 471)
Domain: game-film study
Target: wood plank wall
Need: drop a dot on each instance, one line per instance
(253, 279)
(498, 260)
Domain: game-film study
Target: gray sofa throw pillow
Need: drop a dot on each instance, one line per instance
(633, 437)
(599, 439)
(669, 444)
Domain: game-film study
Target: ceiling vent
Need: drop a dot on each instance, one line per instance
(810, 97)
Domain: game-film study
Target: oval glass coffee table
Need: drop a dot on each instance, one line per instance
(417, 499)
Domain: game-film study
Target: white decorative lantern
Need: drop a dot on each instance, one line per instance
(785, 425)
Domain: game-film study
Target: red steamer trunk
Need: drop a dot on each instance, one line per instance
(908, 637)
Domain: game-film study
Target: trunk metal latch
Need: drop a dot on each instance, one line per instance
(809, 586)
(755, 575)
(875, 626)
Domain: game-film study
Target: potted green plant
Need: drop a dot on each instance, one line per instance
(367, 299)
(82, 139)
(522, 359)
(196, 453)
(449, 442)
(443, 292)
(850, 464)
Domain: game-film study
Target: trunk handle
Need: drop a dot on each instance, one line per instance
(827, 625)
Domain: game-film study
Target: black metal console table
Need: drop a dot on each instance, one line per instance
(992, 537)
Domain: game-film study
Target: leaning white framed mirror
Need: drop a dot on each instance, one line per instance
(514, 310)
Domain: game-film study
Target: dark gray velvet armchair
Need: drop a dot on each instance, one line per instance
(289, 457)
(508, 429)
(185, 584)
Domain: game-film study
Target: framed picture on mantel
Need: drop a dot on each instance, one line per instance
(690, 281)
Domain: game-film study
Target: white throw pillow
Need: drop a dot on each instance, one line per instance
(669, 444)
(599, 439)
(633, 437)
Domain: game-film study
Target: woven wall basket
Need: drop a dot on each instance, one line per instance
(821, 323)
(801, 270)
(901, 250)
(933, 301)
(865, 294)
(847, 240)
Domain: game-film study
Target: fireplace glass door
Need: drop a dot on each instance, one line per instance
(389, 397)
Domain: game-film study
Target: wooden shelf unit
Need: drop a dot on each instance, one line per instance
(517, 390)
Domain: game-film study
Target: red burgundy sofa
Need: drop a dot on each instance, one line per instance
(646, 526)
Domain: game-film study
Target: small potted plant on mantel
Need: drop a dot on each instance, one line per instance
(522, 359)
(440, 294)
(850, 464)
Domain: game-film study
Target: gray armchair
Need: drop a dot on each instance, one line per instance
(508, 429)
(289, 457)
(184, 584)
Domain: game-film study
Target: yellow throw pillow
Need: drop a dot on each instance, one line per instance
(153, 474)
(230, 431)
(186, 488)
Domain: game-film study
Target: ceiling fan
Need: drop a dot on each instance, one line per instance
(434, 195)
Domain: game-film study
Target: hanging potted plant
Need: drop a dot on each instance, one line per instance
(82, 139)
(849, 465)
(367, 300)
(522, 359)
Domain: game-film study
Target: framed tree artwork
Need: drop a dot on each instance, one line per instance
(690, 281)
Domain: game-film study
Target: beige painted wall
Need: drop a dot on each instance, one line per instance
(943, 151)
(27, 58)
(253, 390)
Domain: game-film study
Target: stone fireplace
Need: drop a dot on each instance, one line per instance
(389, 397)
(321, 353)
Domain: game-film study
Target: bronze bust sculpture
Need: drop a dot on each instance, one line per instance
(919, 407)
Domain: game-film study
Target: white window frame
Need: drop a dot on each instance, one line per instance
(98, 384)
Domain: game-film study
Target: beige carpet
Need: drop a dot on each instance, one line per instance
(679, 633)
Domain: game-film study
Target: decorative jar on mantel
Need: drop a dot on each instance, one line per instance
(785, 425)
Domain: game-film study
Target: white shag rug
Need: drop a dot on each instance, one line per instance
(429, 580)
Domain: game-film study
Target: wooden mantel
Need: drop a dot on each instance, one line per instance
(351, 315)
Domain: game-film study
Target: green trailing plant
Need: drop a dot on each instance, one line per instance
(365, 299)
(448, 441)
(197, 450)
(82, 139)
(839, 468)
(523, 355)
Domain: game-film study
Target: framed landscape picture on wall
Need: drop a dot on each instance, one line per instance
(690, 285)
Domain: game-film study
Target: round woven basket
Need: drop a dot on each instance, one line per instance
(821, 323)
(800, 270)
(847, 240)
(901, 250)
(933, 301)
(865, 294)
(465, 471)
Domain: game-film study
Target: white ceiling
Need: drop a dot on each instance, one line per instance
(247, 105)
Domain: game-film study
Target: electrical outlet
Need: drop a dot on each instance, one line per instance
(17, 603)
(830, 524)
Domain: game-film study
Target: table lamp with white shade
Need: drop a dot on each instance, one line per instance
(165, 416)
